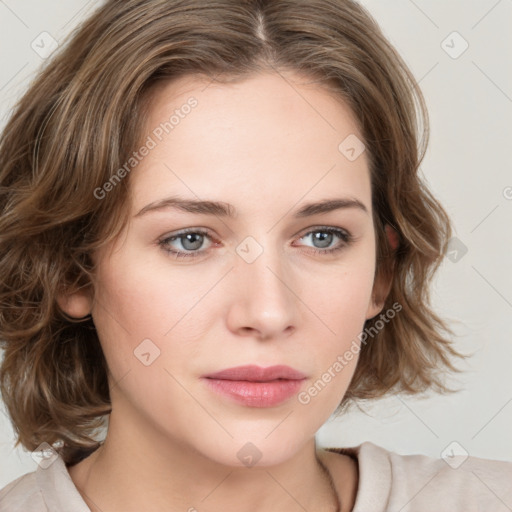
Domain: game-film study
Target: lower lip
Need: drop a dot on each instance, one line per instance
(256, 394)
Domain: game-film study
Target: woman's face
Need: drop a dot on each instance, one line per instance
(265, 276)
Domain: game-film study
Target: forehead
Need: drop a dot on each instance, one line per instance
(266, 134)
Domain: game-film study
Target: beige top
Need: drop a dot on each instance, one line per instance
(388, 482)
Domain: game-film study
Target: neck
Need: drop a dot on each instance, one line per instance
(140, 471)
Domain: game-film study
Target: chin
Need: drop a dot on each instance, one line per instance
(246, 450)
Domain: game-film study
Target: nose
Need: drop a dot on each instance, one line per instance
(263, 302)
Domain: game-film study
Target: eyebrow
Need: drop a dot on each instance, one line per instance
(221, 209)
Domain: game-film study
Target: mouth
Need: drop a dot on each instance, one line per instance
(254, 386)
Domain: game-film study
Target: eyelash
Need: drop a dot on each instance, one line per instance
(343, 235)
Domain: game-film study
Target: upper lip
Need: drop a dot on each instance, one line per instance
(255, 373)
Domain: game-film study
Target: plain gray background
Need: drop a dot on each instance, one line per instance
(468, 166)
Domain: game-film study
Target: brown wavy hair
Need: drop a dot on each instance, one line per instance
(80, 120)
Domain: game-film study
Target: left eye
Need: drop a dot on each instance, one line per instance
(323, 238)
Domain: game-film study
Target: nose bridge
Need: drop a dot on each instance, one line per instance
(264, 301)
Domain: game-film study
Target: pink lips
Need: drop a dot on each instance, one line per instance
(254, 386)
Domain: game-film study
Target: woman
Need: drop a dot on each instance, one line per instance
(206, 208)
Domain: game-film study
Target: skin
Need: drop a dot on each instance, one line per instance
(266, 148)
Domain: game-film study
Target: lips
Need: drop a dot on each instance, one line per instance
(253, 373)
(254, 386)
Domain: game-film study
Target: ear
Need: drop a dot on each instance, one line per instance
(384, 278)
(77, 304)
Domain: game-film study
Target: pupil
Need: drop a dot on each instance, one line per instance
(192, 241)
(323, 239)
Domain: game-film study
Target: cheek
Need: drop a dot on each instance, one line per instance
(341, 297)
(143, 309)
(342, 303)
(140, 320)
(146, 299)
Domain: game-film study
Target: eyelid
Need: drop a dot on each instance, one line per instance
(313, 229)
(185, 231)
